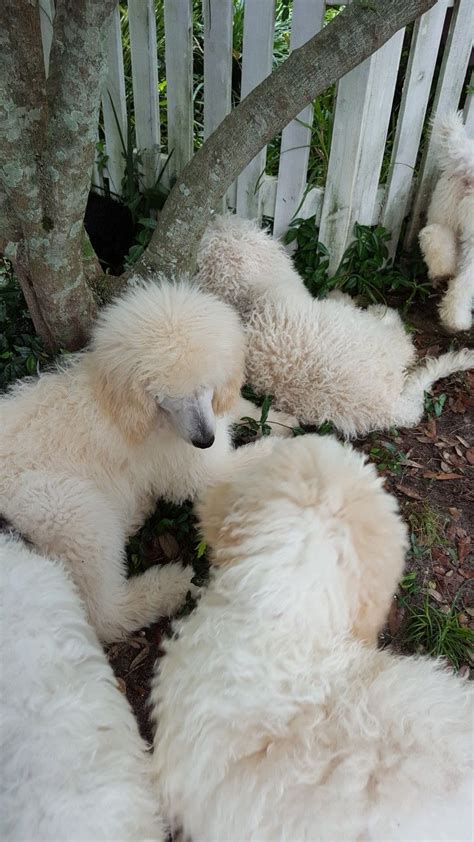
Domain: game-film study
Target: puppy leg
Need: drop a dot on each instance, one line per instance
(280, 422)
(438, 246)
(72, 520)
(455, 309)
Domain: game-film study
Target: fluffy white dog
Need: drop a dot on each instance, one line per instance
(322, 360)
(277, 717)
(145, 413)
(74, 768)
(447, 241)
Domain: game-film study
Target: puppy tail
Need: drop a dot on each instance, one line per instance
(454, 147)
(432, 369)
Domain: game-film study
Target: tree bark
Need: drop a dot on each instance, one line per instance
(47, 152)
(361, 29)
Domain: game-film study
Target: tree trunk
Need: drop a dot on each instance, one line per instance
(48, 149)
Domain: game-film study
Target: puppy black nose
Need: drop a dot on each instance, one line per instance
(203, 443)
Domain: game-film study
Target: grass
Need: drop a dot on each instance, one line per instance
(428, 525)
(434, 632)
(434, 404)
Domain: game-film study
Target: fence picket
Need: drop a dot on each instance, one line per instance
(453, 70)
(416, 90)
(364, 101)
(179, 79)
(142, 27)
(257, 56)
(114, 107)
(46, 10)
(217, 68)
(296, 137)
(469, 109)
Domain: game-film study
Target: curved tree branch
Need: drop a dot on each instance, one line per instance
(351, 37)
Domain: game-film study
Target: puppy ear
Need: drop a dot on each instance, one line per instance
(227, 395)
(126, 404)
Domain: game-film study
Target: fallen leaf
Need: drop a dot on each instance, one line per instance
(121, 685)
(139, 658)
(463, 547)
(470, 455)
(432, 475)
(436, 595)
(445, 467)
(409, 492)
(455, 513)
(431, 430)
(395, 617)
(463, 441)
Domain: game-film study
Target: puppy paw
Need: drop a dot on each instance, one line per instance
(171, 584)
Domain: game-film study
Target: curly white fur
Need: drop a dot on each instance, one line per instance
(277, 717)
(447, 240)
(85, 451)
(73, 764)
(322, 360)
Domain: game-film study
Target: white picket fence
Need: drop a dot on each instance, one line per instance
(361, 120)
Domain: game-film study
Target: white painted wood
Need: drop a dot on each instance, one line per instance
(416, 90)
(114, 106)
(179, 78)
(312, 203)
(296, 137)
(257, 54)
(142, 28)
(469, 109)
(364, 102)
(46, 10)
(452, 74)
(217, 16)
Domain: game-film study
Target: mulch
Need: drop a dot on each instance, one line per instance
(429, 464)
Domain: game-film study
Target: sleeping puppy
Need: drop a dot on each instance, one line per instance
(277, 717)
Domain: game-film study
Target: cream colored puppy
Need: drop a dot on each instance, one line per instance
(447, 240)
(321, 360)
(277, 717)
(145, 412)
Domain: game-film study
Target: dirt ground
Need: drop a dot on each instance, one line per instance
(430, 468)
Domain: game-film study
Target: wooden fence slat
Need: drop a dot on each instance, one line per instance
(217, 62)
(257, 56)
(453, 71)
(46, 10)
(469, 109)
(217, 69)
(296, 137)
(142, 28)
(179, 82)
(114, 107)
(363, 106)
(416, 90)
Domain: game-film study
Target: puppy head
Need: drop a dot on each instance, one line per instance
(323, 534)
(167, 355)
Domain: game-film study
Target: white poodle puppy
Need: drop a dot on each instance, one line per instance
(144, 413)
(74, 767)
(321, 360)
(447, 240)
(277, 717)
